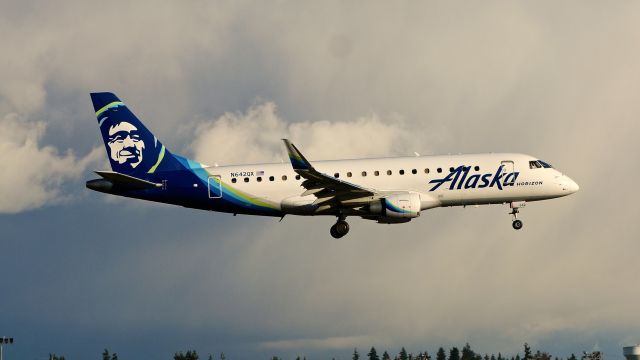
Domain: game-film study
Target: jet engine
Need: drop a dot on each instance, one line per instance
(396, 208)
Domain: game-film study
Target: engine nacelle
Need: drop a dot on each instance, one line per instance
(397, 206)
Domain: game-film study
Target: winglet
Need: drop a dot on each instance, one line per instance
(297, 159)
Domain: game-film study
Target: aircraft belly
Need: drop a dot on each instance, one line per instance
(299, 205)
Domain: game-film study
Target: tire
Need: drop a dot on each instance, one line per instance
(517, 224)
(342, 228)
(334, 233)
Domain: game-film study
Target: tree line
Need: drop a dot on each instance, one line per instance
(452, 354)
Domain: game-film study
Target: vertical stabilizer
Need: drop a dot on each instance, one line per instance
(131, 147)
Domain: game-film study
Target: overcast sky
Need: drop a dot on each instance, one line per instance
(222, 82)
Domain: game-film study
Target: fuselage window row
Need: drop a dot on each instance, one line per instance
(375, 173)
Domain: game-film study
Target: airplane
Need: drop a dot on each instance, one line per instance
(385, 190)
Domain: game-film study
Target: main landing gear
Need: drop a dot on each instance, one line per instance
(515, 206)
(340, 228)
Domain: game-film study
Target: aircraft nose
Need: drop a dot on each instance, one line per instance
(571, 185)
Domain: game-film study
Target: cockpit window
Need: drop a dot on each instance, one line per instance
(545, 165)
(537, 164)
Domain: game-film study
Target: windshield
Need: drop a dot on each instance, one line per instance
(545, 165)
(537, 164)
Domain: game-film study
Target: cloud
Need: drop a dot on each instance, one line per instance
(33, 174)
(254, 136)
(559, 81)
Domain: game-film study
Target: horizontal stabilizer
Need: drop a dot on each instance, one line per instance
(127, 180)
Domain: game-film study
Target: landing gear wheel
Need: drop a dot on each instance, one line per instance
(342, 227)
(339, 229)
(333, 232)
(517, 224)
(515, 209)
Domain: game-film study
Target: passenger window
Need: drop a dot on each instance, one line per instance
(349, 174)
(364, 173)
(414, 171)
(451, 169)
(389, 172)
(284, 177)
(476, 168)
(246, 179)
(439, 170)
(297, 177)
(259, 179)
(426, 170)
(401, 172)
(271, 178)
(336, 175)
(376, 173)
(234, 180)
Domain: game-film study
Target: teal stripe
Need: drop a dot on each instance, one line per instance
(160, 157)
(108, 106)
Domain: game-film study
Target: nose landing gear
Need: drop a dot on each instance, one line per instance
(515, 206)
(340, 228)
(517, 224)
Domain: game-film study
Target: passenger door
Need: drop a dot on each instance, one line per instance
(214, 187)
(508, 168)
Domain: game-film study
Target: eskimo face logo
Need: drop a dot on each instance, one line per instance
(125, 144)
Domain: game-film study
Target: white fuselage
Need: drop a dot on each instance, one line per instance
(483, 179)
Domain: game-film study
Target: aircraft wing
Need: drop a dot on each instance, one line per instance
(329, 191)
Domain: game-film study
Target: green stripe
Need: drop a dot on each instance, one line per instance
(106, 107)
(160, 157)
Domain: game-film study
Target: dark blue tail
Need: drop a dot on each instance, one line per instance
(131, 147)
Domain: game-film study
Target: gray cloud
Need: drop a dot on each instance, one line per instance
(254, 136)
(35, 173)
(558, 81)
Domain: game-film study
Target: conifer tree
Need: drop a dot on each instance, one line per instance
(467, 353)
(355, 356)
(403, 354)
(441, 355)
(454, 353)
(189, 355)
(386, 356)
(527, 352)
(373, 354)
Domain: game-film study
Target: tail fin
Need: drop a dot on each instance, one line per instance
(131, 147)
